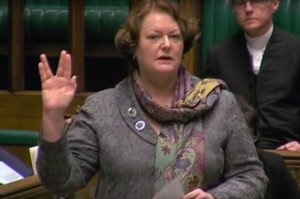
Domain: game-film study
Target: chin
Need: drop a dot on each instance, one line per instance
(251, 25)
(165, 71)
(167, 68)
(252, 29)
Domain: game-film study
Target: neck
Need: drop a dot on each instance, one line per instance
(161, 89)
(260, 42)
(261, 31)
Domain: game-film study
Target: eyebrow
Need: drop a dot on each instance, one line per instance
(172, 31)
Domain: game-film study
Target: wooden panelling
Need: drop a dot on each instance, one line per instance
(191, 7)
(16, 8)
(76, 15)
(22, 110)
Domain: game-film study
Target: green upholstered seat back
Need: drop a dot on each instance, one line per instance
(103, 18)
(47, 20)
(18, 137)
(3, 20)
(288, 16)
(219, 23)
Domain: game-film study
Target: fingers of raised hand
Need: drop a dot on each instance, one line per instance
(64, 66)
(44, 69)
(74, 83)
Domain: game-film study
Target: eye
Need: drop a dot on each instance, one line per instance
(257, 1)
(175, 37)
(239, 2)
(153, 37)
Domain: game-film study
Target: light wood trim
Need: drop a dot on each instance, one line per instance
(287, 154)
(292, 160)
(29, 182)
(29, 187)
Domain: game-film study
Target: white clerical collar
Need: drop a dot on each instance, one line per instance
(260, 42)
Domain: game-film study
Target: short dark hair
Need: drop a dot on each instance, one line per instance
(127, 36)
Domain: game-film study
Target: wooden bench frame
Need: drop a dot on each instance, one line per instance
(292, 160)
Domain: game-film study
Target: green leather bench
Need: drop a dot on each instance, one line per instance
(47, 20)
(102, 18)
(3, 21)
(18, 137)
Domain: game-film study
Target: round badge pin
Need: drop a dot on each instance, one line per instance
(140, 125)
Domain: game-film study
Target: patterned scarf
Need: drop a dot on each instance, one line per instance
(180, 147)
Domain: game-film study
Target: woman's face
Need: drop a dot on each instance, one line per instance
(160, 45)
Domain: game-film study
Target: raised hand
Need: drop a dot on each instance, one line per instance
(57, 90)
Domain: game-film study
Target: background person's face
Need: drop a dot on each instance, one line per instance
(160, 45)
(255, 17)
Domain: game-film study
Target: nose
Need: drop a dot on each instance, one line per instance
(248, 6)
(166, 41)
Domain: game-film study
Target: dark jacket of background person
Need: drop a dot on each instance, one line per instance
(274, 165)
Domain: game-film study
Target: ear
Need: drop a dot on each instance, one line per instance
(275, 5)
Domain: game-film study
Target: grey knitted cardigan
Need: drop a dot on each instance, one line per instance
(104, 137)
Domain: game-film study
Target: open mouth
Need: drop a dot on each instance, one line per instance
(164, 58)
